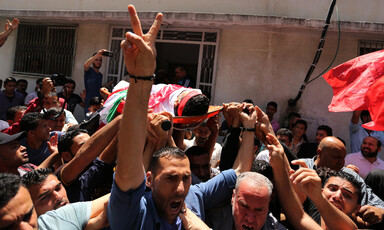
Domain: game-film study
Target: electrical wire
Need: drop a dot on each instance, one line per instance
(337, 49)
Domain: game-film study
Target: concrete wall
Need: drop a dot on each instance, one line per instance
(351, 10)
(270, 65)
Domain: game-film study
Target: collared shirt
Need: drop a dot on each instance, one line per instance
(275, 125)
(367, 196)
(135, 209)
(357, 135)
(364, 165)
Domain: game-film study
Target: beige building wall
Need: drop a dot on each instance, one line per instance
(351, 10)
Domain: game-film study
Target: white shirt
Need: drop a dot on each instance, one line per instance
(363, 164)
(215, 154)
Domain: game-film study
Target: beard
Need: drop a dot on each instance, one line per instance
(368, 153)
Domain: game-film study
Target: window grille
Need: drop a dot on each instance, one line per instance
(370, 46)
(44, 49)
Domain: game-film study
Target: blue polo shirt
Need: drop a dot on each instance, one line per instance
(135, 209)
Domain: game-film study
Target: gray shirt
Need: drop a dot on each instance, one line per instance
(71, 216)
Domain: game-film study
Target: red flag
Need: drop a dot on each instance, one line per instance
(351, 80)
(375, 101)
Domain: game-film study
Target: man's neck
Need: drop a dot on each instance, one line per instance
(370, 159)
(97, 70)
(34, 143)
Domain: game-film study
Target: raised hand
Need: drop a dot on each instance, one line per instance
(139, 49)
(12, 25)
(53, 143)
(307, 180)
(231, 114)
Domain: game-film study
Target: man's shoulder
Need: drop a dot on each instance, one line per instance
(69, 216)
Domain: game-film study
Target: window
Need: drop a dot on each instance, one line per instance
(370, 46)
(44, 49)
(196, 50)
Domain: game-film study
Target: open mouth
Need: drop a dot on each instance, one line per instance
(247, 227)
(175, 205)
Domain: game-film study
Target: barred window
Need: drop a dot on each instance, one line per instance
(370, 46)
(44, 49)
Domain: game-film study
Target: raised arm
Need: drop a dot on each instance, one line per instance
(310, 183)
(232, 140)
(157, 138)
(91, 149)
(140, 60)
(245, 157)
(285, 192)
(355, 116)
(9, 27)
(90, 60)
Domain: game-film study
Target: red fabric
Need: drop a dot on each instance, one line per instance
(375, 101)
(351, 80)
(155, 98)
(13, 129)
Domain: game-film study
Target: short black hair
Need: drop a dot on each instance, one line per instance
(364, 113)
(70, 81)
(22, 80)
(274, 104)
(293, 114)
(248, 101)
(9, 187)
(34, 177)
(11, 112)
(181, 67)
(168, 152)
(196, 151)
(286, 132)
(262, 167)
(9, 79)
(196, 106)
(326, 128)
(300, 121)
(326, 173)
(30, 121)
(66, 140)
(94, 101)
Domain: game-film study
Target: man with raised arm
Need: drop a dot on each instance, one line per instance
(169, 176)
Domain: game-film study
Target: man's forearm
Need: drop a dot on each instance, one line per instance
(288, 199)
(91, 149)
(333, 217)
(245, 157)
(133, 128)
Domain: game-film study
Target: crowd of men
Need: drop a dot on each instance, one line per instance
(126, 168)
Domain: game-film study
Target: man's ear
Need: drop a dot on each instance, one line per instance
(149, 180)
(31, 133)
(67, 156)
(233, 197)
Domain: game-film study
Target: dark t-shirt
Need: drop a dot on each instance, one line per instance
(92, 83)
(94, 182)
(9, 102)
(72, 101)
